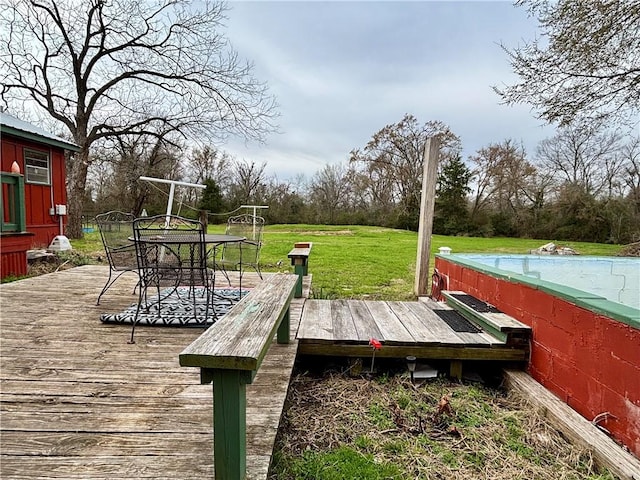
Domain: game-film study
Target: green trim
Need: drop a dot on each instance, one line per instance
(284, 329)
(16, 205)
(6, 130)
(595, 303)
(475, 317)
(301, 271)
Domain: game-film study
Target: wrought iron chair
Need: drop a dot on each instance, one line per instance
(237, 256)
(171, 252)
(115, 229)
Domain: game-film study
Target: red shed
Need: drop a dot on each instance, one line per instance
(34, 196)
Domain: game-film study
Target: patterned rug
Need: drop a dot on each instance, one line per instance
(177, 308)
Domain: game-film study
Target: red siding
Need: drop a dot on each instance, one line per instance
(590, 361)
(13, 258)
(38, 198)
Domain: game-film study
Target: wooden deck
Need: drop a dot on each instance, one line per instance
(344, 328)
(78, 401)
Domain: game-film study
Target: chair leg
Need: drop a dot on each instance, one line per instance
(111, 281)
(142, 297)
(106, 287)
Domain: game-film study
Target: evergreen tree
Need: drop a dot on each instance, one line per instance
(451, 211)
(211, 200)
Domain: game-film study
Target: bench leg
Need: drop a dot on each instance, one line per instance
(284, 334)
(230, 424)
(300, 269)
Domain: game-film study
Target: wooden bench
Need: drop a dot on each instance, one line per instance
(300, 260)
(229, 354)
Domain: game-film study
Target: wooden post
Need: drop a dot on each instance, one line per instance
(204, 219)
(427, 204)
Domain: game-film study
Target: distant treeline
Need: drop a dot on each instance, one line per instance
(582, 185)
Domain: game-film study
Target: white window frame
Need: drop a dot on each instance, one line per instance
(38, 170)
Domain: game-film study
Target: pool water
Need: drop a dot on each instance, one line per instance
(615, 278)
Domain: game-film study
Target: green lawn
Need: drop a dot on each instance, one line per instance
(379, 263)
(365, 262)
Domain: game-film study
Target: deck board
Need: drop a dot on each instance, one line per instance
(404, 328)
(392, 330)
(364, 321)
(320, 328)
(78, 401)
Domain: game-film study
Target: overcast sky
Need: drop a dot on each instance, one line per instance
(341, 71)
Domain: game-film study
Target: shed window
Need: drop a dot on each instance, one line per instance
(37, 167)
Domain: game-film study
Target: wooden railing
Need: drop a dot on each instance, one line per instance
(12, 203)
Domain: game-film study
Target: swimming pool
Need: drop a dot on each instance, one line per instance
(615, 278)
(584, 313)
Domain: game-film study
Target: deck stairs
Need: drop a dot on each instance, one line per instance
(487, 317)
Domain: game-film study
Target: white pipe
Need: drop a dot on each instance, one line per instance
(255, 207)
(169, 204)
(173, 182)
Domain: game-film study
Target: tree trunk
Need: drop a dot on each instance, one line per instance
(76, 183)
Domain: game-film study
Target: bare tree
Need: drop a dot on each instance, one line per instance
(586, 64)
(330, 191)
(631, 165)
(105, 69)
(393, 158)
(209, 162)
(584, 155)
(247, 182)
(118, 164)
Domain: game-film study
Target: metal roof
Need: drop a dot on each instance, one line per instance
(14, 126)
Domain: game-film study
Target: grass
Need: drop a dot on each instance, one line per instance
(379, 263)
(364, 262)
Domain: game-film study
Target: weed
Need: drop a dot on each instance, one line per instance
(380, 416)
(337, 419)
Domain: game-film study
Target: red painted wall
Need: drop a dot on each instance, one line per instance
(38, 198)
(590, 361)
(13, 260)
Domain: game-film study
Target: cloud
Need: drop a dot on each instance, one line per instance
(341, 71)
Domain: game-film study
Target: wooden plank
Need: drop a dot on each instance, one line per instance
(477, 339)
(434, 323)
(344, 330)
(507, 323)
(418, 351)
(578, 429)
(497, 320)
(392, 330)
(241, 339)
(363, 320)
(316, 321)
(421, 334)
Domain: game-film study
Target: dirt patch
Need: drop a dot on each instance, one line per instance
(631, 250)
(436, 430)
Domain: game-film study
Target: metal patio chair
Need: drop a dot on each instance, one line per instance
(237, 256)
(171, 252)
(115, 229)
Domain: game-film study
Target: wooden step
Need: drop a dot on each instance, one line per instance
(489, 318)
